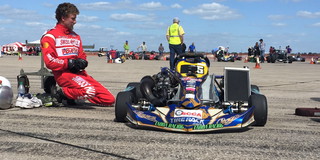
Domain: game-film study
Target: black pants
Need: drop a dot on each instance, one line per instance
(174, 49)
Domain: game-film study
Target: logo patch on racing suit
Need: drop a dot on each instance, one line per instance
(90, 90)
(67, 46)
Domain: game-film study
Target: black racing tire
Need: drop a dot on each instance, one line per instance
(255, 89)
(25, 81)
(273, 59)
(290, 59)
(123, 99)
(268, 59)
(261, 109)
(48, 84)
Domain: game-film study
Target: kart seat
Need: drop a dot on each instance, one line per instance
(207, 92)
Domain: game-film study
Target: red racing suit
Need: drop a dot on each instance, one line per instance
(58, 45)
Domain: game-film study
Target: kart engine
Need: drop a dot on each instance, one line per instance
(159, 88)
(165, 85)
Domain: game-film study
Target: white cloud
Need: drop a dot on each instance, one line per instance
(131, 17)
(279, 24)
(84, 18)
(292, 0)
(123, 33)
(32, 24)
(307, 14)
(49, 5)
(316, 24)
(148, 25)
(110, 29)
(8, 11)
(250, 0)
(151, 6)
(5, 21)
(96, 6)
(176, 5)
(213, 11)
(95, 26)
(85, 26)
(277, 17)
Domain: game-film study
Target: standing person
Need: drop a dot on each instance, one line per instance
(161, 49)
(126, 48)
(143, 47)
(288, 50)
(192, 48)
(63, 54)
(183, 47)
(256, 50)
(262, 47)
(174, 36)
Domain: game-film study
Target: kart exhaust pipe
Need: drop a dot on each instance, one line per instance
(147, 84)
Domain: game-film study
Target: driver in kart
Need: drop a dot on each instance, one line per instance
(63, 54)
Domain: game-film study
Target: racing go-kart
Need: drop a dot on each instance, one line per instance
(189, 99)
(279, 56)
(222, 57)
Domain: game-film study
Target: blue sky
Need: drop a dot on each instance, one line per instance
(236, 24)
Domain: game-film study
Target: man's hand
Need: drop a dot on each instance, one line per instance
(82, 63)
(76, 65)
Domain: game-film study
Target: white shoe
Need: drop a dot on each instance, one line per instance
(26, 103)
(19, 101)
(36, 102)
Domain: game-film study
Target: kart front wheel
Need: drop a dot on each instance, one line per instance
(123, 99)
(259, 101)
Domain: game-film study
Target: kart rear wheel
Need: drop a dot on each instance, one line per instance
(261, 108)
(48, 84)
(255, 89)
(25, 81)
(136, 90)
(123, 99)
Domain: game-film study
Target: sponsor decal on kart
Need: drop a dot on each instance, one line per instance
(188, 79)
(187, 120)
(145, 116)
(169, 125)
(188, 113)
(208, 126)
(229, 120)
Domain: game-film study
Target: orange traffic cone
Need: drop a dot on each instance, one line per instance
(257, 64)
(312, 61)
(109, 59)
(246, 60)
(20, 57)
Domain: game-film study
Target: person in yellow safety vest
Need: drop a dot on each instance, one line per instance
(174, 36)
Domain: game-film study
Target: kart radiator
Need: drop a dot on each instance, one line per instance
(236, 84)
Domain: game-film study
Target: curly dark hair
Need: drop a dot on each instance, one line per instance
(64, 9)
